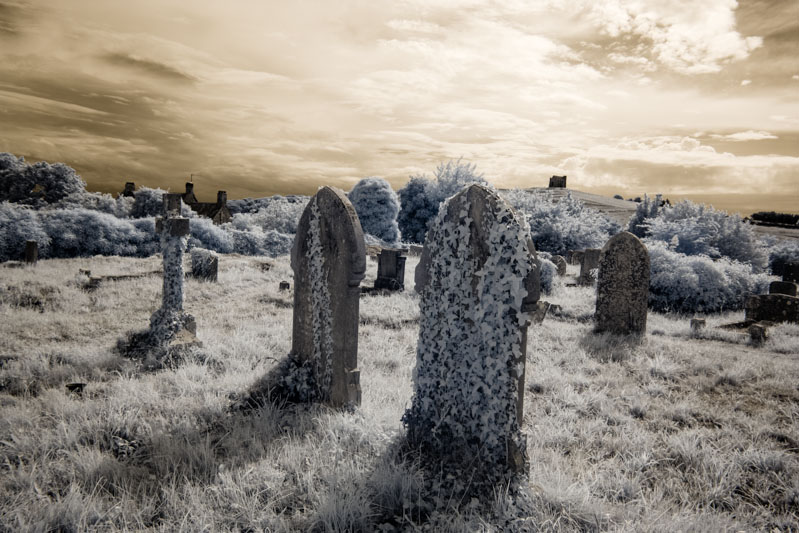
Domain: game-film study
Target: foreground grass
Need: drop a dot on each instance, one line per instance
(679, 432)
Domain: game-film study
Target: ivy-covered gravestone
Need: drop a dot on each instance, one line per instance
(479, 282)
(329, 262)
(622, 286)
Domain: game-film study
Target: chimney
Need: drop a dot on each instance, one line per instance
(129, 188)
(189, 188)
(221, 197)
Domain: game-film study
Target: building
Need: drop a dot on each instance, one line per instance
(216, 211)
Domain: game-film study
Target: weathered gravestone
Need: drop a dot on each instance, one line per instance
(170, 326)
(622, 286)
(204, 264)
(329, 261)
(560, 263)
(479, 282)
(783, 287)
(31, 252)
(390, 270)
(790, 272)
(772, 307)
(589, 262)
(577, 257)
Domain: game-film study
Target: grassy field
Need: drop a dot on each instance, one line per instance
(681, 432)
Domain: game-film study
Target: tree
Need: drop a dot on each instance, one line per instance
(377, 206)
(38, 184)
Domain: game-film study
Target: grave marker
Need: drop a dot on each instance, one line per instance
(31, 252)
(622, 286)
(589, 261)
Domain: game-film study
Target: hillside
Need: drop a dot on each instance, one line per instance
(622, 210)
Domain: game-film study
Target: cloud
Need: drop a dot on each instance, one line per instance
(743, 136)
(150, 67)
(744, 83)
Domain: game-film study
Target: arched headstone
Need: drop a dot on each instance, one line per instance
(479, 282)
(622, 286)
(560, 263)
(329, 262)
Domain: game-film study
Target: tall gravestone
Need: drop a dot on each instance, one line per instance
(329, 262)
(622, 286)
(479, 282)
(589, 262)
(790, 272)
(170, 320)
(31, 252)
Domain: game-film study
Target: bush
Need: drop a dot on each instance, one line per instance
(559, 226)
(280, 214)
(377, 206)
(17, 225)
(781, 252)
(698, 284)
(548, 270)
(120, 207)
(695, 229)
(644, 212)
(771, 217)
(421, 197)
(38, 184)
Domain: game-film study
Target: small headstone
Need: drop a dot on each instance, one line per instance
(31, 252)
(479, 283)
(698, 324)
(284, 286)
(790, 271)
(622, 286)
(589, 263)
(758, 333)
(415, 249)
(555, 310)
(577, 257)
(204, 264)
(560, 263)
(75, 388)
(773, 307)
(390, 270)
(783, 287)
(329, 262)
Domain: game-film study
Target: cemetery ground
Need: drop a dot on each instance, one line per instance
(691, 431)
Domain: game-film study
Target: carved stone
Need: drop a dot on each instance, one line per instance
(622, 286)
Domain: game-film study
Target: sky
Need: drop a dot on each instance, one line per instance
(685, 98)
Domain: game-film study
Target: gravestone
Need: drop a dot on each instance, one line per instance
(622, 286)
(698, 324)
(783, 287)
(204, 264)
(560, 263)
(577, 257)
(790, 271)
(589, 262)
(170, 325)
(758, 334)
(772, 307)
(31, 252)
(390, 270)
(329, 262)
(479, 283)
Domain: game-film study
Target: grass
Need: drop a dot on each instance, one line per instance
(678, 431)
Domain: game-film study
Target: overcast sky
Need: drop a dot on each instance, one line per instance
(681, 97)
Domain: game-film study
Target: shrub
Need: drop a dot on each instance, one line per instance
(771, 217)
(698, 284)
(37, 184)
(781, 252)
(696, 229)
(421, 197)
(547, 274)
(644, 212)
(377, 206)
(559, 226)
(618, 197)
(280, 214)
(17, 225)
(120, 207)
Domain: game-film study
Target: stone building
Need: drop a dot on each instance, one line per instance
(558, 182)
(216, 211)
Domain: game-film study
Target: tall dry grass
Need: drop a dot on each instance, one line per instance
(677, 432)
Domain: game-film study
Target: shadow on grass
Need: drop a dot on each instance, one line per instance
(609, 347)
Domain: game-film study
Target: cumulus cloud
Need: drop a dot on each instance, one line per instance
(744, 136)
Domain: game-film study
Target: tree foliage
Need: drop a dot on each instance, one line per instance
(377, 206)
(38, 184)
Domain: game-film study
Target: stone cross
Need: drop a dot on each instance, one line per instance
(622, 286)
(31, 252)
(390, 270)
(479, 283)
(173, 230)
(329, 262)
(588, 262)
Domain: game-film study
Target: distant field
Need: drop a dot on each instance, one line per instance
(681, 432)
